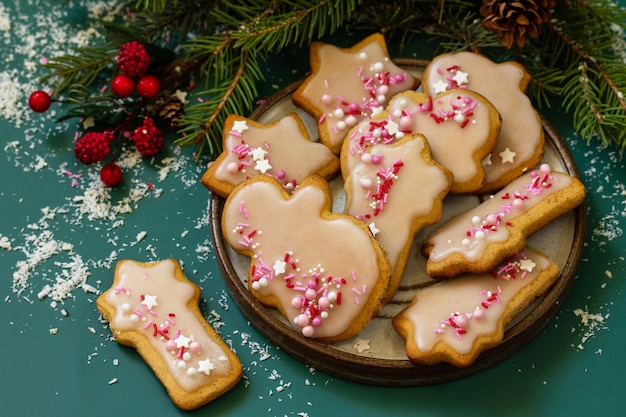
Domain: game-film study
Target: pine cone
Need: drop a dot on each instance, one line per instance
(513, 21)
(167, 109)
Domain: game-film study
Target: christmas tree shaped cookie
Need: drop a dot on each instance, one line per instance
(477, 240)
(282, 149)
(348, 85)
(456, 320)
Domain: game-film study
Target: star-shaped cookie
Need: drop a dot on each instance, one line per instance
(282, 149)
(349, 84)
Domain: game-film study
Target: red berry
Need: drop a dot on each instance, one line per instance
(111, 174)
(122, 86)
(133, 59)
(39, 101)
(148, 138)
(148, 86)
(93, 147)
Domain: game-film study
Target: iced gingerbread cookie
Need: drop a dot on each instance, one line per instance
(397, 190)
(282, 149)
(348, 85)
(521, 141)
(461, 126)
(153, 307)
(476, 241)
(323, 270)
(454, 321)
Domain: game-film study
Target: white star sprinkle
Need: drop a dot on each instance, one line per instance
(527, 265)
(258, 154)
(89, 122)
(150, 301)
(373, 229)
(240, 126)
(392, 128)
(440, 86)
(361, 345)
(377, 110)
(206, 366)
(182, 341)
(279, 266)
(181, 95)
(263, 166)
(507, 155)
(461, 77)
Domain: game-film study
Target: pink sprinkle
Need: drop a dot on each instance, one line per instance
(148, 324)
(138, 313)
(117, 290)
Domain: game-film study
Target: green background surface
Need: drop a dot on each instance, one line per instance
(571, 368)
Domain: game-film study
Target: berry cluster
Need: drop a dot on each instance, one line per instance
(148, 138)
(132, 61)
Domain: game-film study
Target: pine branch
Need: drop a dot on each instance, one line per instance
(81, 67)
(579, 57)
(230, 58)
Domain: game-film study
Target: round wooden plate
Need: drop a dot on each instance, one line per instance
(377, 355)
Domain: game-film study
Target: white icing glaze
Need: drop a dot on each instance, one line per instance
(397, 192)
(457, 312)
(292, 245)
(458, 120)
(164, 295)
(350, 86)
(289, 152)
(521, 131)
(470, 233)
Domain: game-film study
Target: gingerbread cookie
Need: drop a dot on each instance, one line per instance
(348, 85)
(323, 270)
(476, 241)
(282, 149)
(154, 308)
(454, 321)
(462, 128)
(397, 190)
(521, 141)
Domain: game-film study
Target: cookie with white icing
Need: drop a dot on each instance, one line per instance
(476, 241)
(461, 126)
(458, 319)
(397, 189)
(348, 85)
(282, 149)
(521, 140)
(153, 307)
(323, 270)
